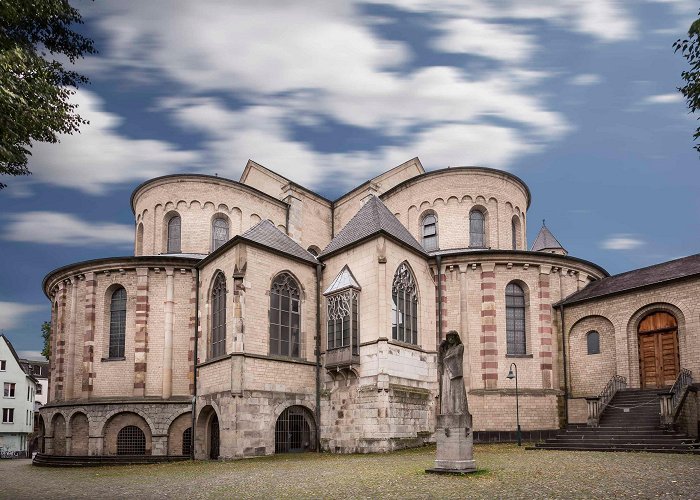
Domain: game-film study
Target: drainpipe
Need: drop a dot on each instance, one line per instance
(439, 321)
(194, 361)
(319, 270)
(566, 376)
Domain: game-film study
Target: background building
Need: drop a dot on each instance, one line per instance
(17, 403)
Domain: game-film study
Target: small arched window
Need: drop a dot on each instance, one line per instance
(174, 228)
(139, 239)
(515, 319)
(477, 229)
(219, 232)
(430, 232)
(313, 250)
(285, 317)
(218, 317)
(187, 441)
(131, 441)
(117, 323)
(593, 342)
(515, 231)
(404, 307)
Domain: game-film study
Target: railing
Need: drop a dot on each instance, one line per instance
(596, 405)
(670, 401)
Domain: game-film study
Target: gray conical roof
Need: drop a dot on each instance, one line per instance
(372, 218)
(546, 241)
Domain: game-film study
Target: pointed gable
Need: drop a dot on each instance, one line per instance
(344, 280)
(546, 241)
(265, 233)
(373, 218)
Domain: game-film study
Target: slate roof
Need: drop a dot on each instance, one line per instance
(371, 219)
(345, 279)
(659, 273)
(266, 234)
(545, 241)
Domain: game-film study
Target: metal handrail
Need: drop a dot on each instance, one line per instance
(684, 379)
(615, 384)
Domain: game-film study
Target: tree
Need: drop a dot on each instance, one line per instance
(46, 335)
(690, 49)
(35, 87)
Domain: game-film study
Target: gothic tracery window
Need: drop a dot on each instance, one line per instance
(430, 232)
(285, 317)
(219, 232)
(174, 229)
(218, 316)
(404, 309)
(117, 323)
(515, 319)
(477, 229)
(343, 324)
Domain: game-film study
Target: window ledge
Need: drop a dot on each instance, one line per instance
(519, 356)
(107, 360)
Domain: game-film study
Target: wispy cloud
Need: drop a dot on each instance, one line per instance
(31, 355)
(12, 313)
(56, 228)
(663, 98)
(622, 242)
(586, 79)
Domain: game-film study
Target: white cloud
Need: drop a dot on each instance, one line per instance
(99, 155)
(497, 41)
(586, 79)
(622, 242)
(56, 228)
(663, 98)
(31, 355)
(12, 313)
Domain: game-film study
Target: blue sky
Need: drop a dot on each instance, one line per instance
(577, 98)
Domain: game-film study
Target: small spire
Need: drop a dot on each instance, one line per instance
(543, 224)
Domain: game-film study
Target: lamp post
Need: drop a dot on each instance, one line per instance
(512, 376)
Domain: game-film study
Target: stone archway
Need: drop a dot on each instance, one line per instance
(177, 438)
(80, 430)
(114, 433)
(295, 430)
(208, 441)
(59, 434)
(659, 362)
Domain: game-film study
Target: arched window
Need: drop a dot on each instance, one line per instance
(515, 319)
(515, 231)
(174, 227)
(404, 308)
(285, 317)
(313, 250)
(218, 316)
(593, 342)
(131, 441)
(117, 323)
(430, 232)
(139, 239)
(187, 441)
(477, 229)
(219, 232)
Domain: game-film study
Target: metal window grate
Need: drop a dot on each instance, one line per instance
(292, 431)
(187, 441)
(117, 323)
(131, 441)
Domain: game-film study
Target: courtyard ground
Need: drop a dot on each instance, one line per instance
(507, 472)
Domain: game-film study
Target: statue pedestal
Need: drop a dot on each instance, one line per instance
(454, 445)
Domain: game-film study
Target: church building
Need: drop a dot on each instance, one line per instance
(257, 317)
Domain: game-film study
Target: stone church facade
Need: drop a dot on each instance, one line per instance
(258, 317)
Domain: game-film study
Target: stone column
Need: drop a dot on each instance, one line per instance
(159, 445)
(168, 333)
(70, 368)
(464, 324)
(89, 340)
(141, 336)
(489, 349)
(545, 327)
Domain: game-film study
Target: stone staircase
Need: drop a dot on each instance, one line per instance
(42, 460)
(630, 422)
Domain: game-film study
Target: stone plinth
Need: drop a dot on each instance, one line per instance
(454, 445)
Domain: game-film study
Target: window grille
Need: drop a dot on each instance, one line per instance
(515, 319)
(477, 229)
(593, 342)
(343, 328)
(404, 309)
(292, 431)
(174, 228)
(117, 323)
(430, 232)
(285, 317)
(219, 232)
(187, 441)
(218, 317)
(131, 441)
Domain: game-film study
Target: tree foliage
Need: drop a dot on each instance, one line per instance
(35, 87)
(46, 335)
(690, 49)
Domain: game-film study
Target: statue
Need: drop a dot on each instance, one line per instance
(453, 434)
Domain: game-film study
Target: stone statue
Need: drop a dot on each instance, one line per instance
(453, 434)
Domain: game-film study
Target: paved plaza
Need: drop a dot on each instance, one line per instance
(507, 472)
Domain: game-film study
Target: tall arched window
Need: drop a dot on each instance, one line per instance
(117, 323)
(139, 239)
(174, 228)
(285, 317)
(404, 308)
(218, 316)
(515, 231)
(219, 232)
(430, 232)
(477, 229)
(515, 319)
(593, 342)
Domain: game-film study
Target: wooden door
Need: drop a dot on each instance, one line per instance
(658, 350)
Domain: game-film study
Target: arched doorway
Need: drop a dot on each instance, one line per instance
(658, 350)
(294, 430)
(214, 437)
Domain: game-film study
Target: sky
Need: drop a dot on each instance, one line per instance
(578, 98)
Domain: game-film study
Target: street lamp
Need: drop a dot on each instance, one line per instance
(512, 376)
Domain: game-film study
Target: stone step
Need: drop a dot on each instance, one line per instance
(43, 460)
(689, 451)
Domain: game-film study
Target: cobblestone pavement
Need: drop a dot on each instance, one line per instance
(507, 472)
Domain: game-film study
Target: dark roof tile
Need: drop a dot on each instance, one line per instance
(266, 234)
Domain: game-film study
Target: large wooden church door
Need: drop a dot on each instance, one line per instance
(658, 350)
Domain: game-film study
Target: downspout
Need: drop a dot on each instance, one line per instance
(318, 356)
(566, 376)
(194, 361)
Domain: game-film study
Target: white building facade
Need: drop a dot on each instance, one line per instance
(17, 403)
